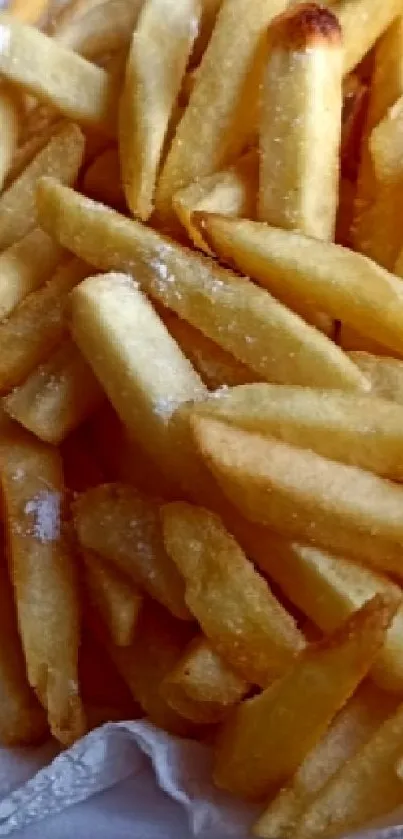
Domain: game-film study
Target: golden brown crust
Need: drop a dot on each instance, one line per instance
(306, 26)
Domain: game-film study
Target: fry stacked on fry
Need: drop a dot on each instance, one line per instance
(201, 373)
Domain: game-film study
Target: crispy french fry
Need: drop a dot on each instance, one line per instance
(274, 342)
(219, 119)
(336, 280)
(62, 157)
(43, 575)
(229, 599)
(36, 326)
(300, 122)
(21, 273)
(363, 789)
(267, 737)
(362, 23)
(57, 397)
(10, 114)
(385, 374)
(102, 180)
(160, 48)
(79, 90)
(114, 597)
(231, 192)
(305, 496)
(201, 687)
(350, 729)
(103, 28)
(124, 528)
(358, 430)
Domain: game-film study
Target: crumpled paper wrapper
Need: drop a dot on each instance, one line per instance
(118, 758)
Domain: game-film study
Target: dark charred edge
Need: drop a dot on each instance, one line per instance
(305, 26)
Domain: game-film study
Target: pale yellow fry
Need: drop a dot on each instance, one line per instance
(302, 495)
(273, 341)
(29, 11)
(124, 528)
(327, 589)
(353, 726)
(362, 23)
(231, 192)
(344, 284)
(201, 687)
(387, 79)
(114, 597)
(220, 118)
(159, 53)
(385, 374)
(54, 74)
(61, 157)
(266, 738)
(103, 28)
(139, 365)
(300, 123)
(57, 397)
(36, 326)
(25, 266)
(385, 144)
(43, 575)
(10, 121)
(102, 180)
(358, 430)
(28, 149)
(229, 599)
(365, 788)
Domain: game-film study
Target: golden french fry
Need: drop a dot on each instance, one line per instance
(266, 738)
(36, 326)
(75, 87)
(358, 430)
(113, 597)
(365, 788)
(103, 28)
(141, 368)
(124, 528)
(43, 575)
(350, 729)
(57, 397)
(305, 496)
(160, 48)
(273, 341)
(62, 157)
(362, 23)
(231, 192)
(102, 180)
(385, 374)
(300, 122)
(10, 115)
(229, 599)
(25, 266)
(336, 280)
(201, 687)
(220, 118)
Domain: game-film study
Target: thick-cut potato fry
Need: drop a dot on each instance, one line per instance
(61, 157)
(229, 599)
(102, 180)
(10, 115)
(358, 430)
(365, 788)
(362, 23)
(385, 374)
(305, 496)
(161, 45)
(25, 266)
(328, 588)
(36, 326)
(220, 118)
(353, 726)
(114, 597)
(141, 368)
(300, 122)
(124, 528)
(334, 279)
(273, 341)
(43, 575)
(104, 28)
(201, 687)
(158, 645)
(75, 87)
(231, 192)
(267, 737)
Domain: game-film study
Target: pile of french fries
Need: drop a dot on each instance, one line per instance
(201, 447)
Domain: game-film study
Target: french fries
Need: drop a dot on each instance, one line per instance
(160, 49)
(229, 599)
(113, 597)
(333, 279)
(43, 576)
(30, 11)
(282, 346)
(385, 374)
(124, 528)
(266, 738)
(304, 496)
(300, 122)
(101, 29)
(387, 82)
(362, 23)
(79, 90)
(20, 274)
(10, 112)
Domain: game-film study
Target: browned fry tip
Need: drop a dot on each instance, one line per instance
(305, 26)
